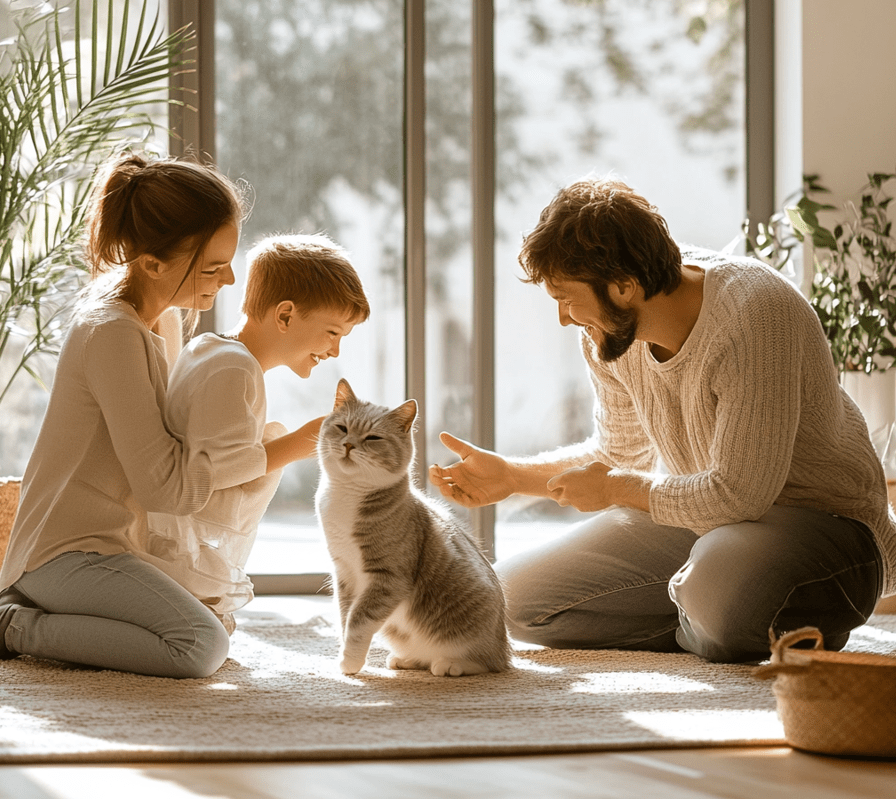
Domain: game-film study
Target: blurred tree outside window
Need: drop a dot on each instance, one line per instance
(309, 111)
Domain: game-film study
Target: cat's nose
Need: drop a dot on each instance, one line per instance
(348, 448)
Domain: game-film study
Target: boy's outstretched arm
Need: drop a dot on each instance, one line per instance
(295, 446)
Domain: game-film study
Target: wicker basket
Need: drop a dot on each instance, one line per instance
(835, 703)
(10, 487)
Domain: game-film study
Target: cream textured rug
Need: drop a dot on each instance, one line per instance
(280, 696)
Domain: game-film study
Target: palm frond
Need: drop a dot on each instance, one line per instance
(65, 107)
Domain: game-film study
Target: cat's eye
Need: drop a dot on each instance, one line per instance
(373, 438)
(341, 428)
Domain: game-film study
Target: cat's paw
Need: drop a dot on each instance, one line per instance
(396, 663)
(456, 668)
(348, 665)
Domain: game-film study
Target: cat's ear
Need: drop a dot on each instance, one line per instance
(344, 394)
(405, 414)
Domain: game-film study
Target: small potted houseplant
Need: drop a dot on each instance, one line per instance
(73, 87)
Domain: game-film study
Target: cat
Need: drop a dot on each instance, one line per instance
(403, 565)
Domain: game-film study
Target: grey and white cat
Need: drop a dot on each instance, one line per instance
(403, 565)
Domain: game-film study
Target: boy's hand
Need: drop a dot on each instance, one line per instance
(295, 446)
(480, 478)
(312, 429)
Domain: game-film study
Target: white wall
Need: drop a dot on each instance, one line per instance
(848, 91)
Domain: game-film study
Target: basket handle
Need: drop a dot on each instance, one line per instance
(777, 665)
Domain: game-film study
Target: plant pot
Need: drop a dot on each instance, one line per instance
(10, 489)
(875, 394)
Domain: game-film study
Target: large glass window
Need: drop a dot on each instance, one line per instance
(309, 110)
(651, 92)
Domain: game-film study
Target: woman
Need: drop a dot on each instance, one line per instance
(160, 236)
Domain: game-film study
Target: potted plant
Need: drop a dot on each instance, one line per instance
(70, 93)
(853, 290)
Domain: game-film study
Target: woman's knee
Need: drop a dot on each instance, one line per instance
(204, 656)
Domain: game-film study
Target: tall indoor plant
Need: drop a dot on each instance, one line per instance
(75, 84)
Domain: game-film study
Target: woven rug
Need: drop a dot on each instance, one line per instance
(280, 696)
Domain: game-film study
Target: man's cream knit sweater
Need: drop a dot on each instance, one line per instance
(748, 414)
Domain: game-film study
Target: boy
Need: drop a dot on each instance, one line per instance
(302, 296)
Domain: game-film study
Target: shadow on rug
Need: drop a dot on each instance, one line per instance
(281, 696)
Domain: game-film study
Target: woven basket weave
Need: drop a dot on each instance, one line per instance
(10, 487)
(835, 703)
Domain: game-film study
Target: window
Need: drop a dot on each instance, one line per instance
(25, 400)
(648, 91)
(310, 109)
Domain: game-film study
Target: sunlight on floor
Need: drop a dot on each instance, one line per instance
(624, 682)
(61, 782)
(710, 725)
(871, 632)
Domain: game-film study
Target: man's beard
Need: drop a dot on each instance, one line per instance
(623, 325)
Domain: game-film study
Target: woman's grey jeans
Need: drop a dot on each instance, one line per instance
(620, 581)
(115, 612)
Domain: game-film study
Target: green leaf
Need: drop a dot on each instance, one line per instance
(877, 179)
(824, 239)
(696, 29)
(867, 294)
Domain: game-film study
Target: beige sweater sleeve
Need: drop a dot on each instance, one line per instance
(162, 476)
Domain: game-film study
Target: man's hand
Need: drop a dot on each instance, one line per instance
(480, 478)
(597, 486)
(586, 488)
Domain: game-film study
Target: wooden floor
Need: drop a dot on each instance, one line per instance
(768, 773)
(683, 774)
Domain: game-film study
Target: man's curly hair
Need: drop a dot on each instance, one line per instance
(599, 231)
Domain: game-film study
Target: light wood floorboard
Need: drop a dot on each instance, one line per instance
(772, 773)
(747, 773)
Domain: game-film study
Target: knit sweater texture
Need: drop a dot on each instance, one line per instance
(749, 413)
(217, 405)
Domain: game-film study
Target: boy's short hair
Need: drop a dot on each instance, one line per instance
(310, 270)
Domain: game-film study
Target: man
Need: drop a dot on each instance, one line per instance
(733, 487)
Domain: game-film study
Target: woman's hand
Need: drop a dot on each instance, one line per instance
(479, 478)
